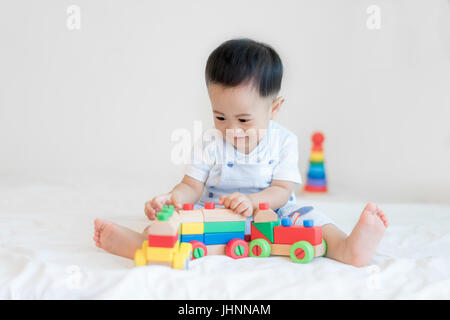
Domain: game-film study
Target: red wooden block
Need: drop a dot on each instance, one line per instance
(188, 206)
(292, 234)
(210, 205)
(162, 241)
(310, 188)
(263, 206)
(256, 234)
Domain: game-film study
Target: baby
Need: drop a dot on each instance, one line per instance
(256, 160)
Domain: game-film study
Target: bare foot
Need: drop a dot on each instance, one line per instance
(117, 239)
(366, 235)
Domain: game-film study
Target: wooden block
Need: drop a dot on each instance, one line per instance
(256, 234)
(222, 237)
(266, 228)
(280, 249)
(192, 228)
(191, 216)
(264, 216)
(165, 227)
(227, 226)
(162, 241)
(192, 237)
(292, 234)
(161, 254)
(319, 250)
(216, 249)
(217, 215)
(317, 156)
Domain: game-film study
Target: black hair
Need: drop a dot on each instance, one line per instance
(244, 60)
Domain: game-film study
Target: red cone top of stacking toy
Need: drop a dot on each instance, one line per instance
(210, 205)
(188, 206)
(263, 205)
(317, 138)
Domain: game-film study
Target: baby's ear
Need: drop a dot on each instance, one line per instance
(276, 106)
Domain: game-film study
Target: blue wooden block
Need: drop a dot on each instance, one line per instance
(308, 223)
(286, 222)
(222, 237)
(192, 237)
(316, 182)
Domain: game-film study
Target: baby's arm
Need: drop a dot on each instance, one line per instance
(189, 190)
(277, 195)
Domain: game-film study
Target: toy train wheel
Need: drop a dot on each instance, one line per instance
(259, 248)
(237, 249)
(198, 249)
(302, 252)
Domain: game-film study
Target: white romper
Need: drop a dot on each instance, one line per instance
(224, 170)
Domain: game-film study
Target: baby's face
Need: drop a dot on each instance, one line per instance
(240, 113)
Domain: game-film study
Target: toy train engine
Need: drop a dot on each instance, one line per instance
(270, 236)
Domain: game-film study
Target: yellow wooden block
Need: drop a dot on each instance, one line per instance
(179, 261)
(192, 228)
(317, 156)
(161, 254)
(139, 258)
(145, 245)
(182, 256)
(186, 248)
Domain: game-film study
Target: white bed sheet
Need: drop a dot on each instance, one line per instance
(47, 252)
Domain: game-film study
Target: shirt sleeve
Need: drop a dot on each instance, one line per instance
(287, 167)
(201, 162)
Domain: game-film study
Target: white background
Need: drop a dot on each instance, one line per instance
(99, 104)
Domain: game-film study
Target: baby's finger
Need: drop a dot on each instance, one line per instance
(247, 213)
(175, 202)
(227, 200)
(241, 208)
(235, 202)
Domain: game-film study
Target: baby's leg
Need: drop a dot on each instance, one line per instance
(359, 247)
(117, 239)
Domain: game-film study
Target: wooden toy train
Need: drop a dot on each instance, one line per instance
(177, 237)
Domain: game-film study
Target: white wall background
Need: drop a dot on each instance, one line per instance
(102, 101)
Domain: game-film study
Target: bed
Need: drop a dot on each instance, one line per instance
(47, 252)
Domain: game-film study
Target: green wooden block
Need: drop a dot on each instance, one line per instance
(266, 228)
(228, 226)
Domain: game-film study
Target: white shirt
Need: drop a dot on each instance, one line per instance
(225, 170)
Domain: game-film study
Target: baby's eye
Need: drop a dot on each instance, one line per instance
(244, 120)
(220, 118)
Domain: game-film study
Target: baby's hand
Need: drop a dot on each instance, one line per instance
(156, 204)
(238, 202)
